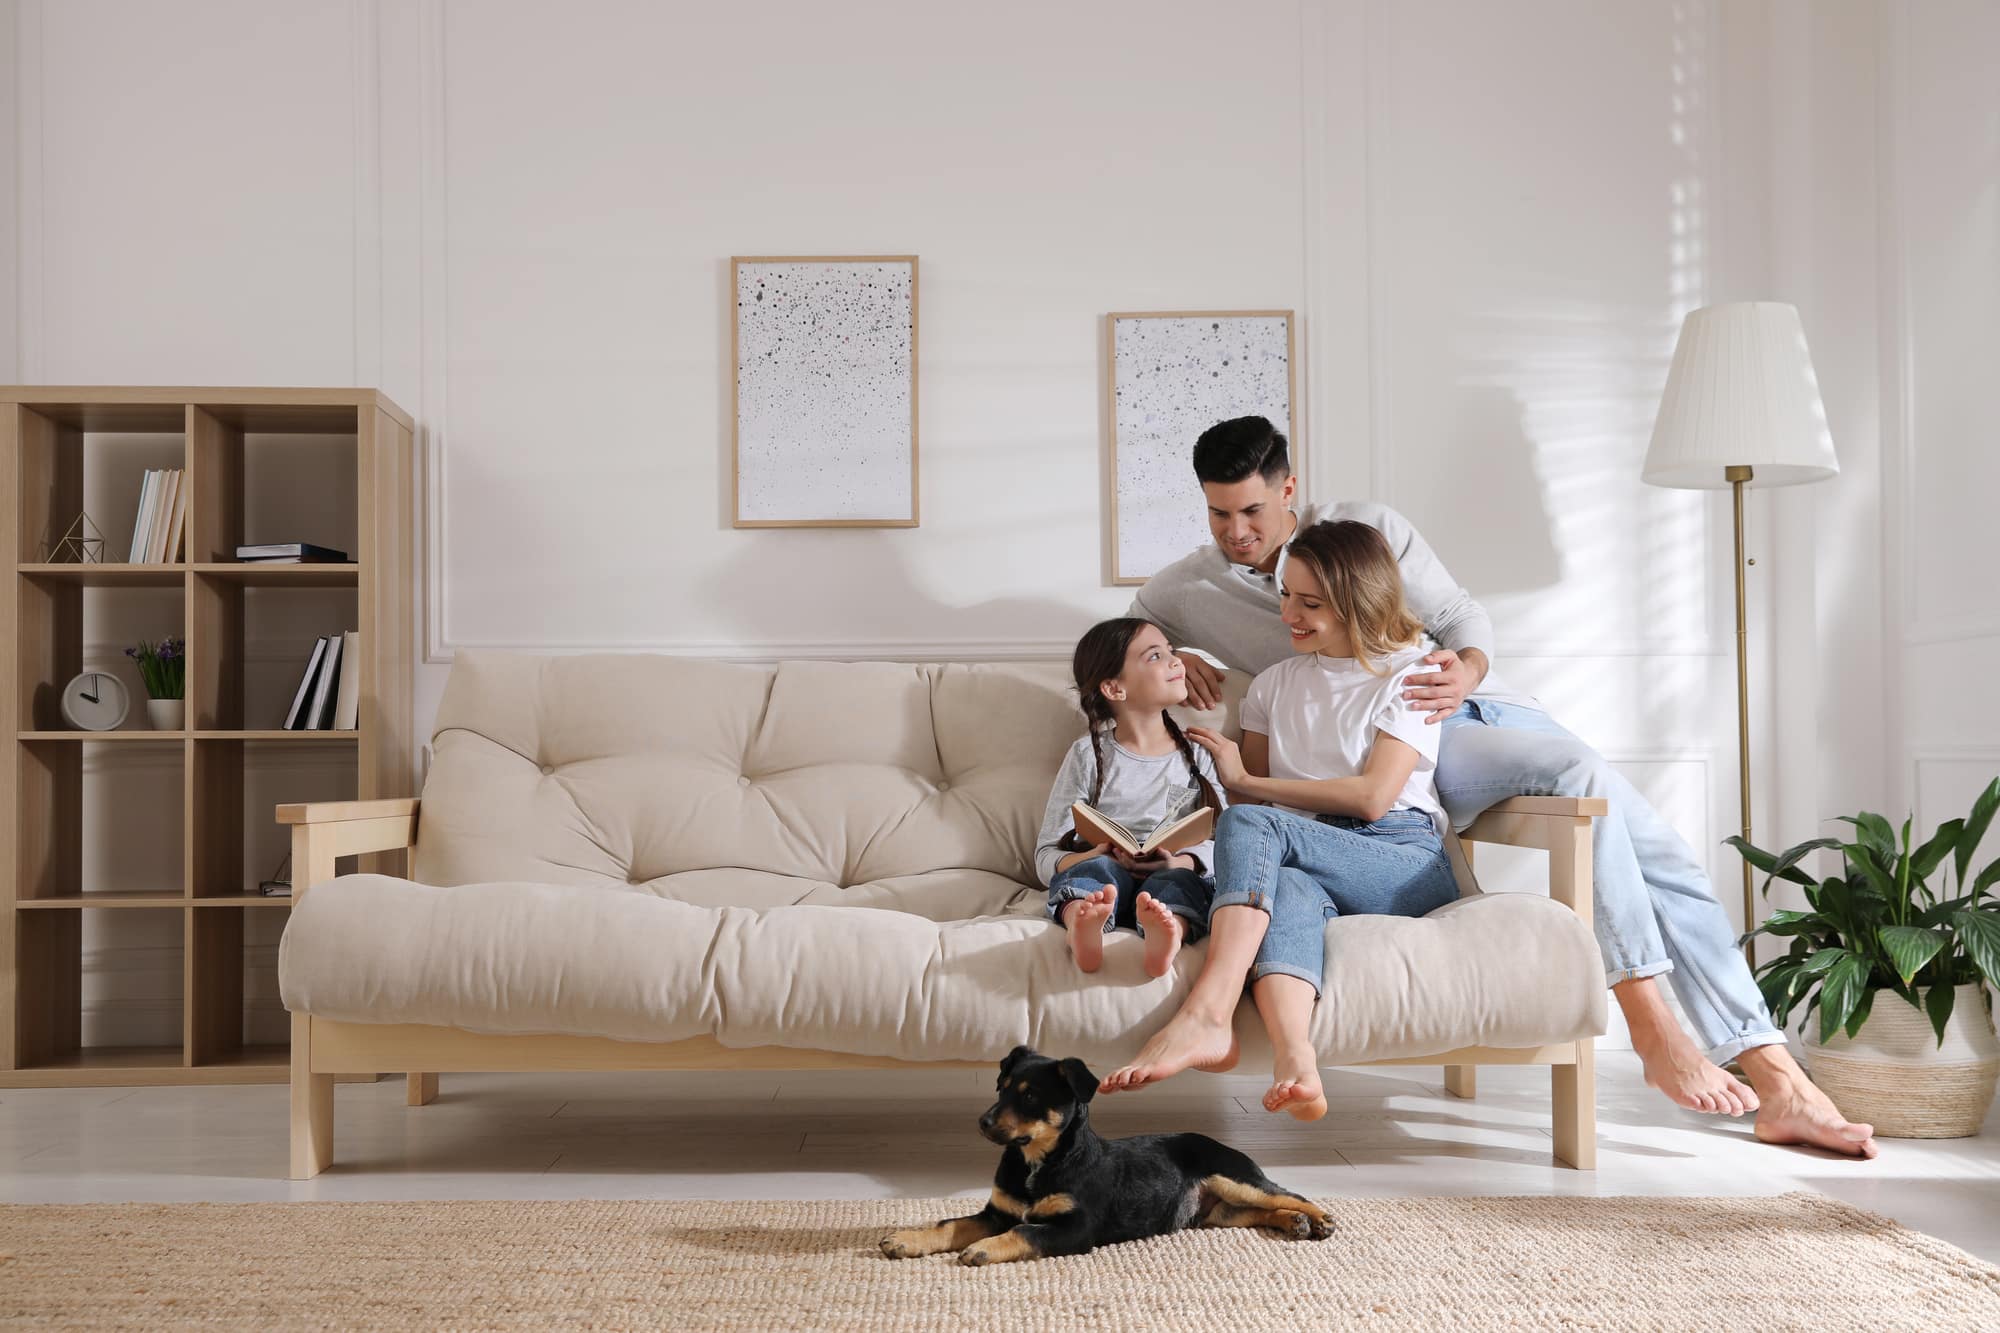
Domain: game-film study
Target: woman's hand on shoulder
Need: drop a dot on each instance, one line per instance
(1228, 756)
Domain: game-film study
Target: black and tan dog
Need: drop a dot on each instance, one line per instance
(1061, 1189)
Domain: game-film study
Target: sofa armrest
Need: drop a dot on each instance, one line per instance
(1558, 825)
(332, 812)
(325, 830)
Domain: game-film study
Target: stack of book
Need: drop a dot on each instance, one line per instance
(329, 694)
(159, 528)
(290, 553)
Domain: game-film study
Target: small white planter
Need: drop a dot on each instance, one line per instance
(166, 714)
(1895, 1076)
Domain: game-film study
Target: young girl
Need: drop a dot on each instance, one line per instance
(1138, 768)
(1349, 820)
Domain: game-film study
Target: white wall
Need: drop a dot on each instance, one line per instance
(516, 219)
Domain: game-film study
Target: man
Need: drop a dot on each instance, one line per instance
(1654, 913)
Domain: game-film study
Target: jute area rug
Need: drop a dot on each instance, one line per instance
(1796, 1261)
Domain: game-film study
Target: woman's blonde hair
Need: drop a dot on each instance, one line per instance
(1364, 586)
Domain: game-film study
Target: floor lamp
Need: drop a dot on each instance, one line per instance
(1741, 408)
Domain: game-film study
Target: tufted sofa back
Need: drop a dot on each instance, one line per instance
(722, 783)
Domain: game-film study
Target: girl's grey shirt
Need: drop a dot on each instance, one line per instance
(1141, 792)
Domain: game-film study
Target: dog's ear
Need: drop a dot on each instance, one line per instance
(1081, 1081)
(1014, 1057)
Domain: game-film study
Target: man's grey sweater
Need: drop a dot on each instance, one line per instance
(1230, 611)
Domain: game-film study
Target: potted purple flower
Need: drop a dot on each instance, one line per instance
(163, 667)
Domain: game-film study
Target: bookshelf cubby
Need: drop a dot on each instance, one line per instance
(80, 861)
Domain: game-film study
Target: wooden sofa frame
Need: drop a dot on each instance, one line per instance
(323, 1048)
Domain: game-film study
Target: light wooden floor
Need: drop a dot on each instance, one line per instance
(851, 1135)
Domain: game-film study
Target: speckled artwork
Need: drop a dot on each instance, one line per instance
(825, 384)
(1172, 377)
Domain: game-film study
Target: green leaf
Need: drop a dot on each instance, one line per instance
(1979, 932)
(1863, 859)
(1860, 1014)
(1821, 961)
(1839, 993)
(1987, 878)
(1785, 923)
(1777, 866)
(1938, 1005)
(1910, 947)
(1928, 856)
(1974, 830)
(1874, 830)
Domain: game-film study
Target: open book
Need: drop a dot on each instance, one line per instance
(1094, 826)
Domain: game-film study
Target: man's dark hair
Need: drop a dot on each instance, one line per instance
(1231, 450)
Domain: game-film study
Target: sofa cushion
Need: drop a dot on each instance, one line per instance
(1505, 970)
(872, 777)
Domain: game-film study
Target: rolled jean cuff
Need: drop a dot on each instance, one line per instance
(1735, 1046)
(1240, 898)
(1640, 973)
(1262, 970)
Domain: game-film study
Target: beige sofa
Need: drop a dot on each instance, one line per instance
(642, 862)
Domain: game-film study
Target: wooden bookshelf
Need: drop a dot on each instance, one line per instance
(45, 452)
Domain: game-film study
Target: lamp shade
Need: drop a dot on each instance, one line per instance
(1741, 393)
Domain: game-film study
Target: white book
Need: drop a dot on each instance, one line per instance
(294, 719)
(163, 500)
(347, 712)
(319, 713)
(177, 521)
(166, 509)
(142, 524)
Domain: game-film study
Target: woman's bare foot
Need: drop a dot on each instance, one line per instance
(1295, 1085)
(1164, 932)
(1673, 1063)
(1084, 918)
(1190, 1040)
(1795, 1111)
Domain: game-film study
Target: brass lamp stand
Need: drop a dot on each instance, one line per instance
(1737, 476)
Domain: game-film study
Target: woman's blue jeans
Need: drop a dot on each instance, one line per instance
(1185, 893)
(1304, 872)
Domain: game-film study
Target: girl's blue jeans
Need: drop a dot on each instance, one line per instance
(1185, 893)
(1304, 872)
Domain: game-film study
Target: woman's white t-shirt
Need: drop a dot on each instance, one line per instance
(1322, 713)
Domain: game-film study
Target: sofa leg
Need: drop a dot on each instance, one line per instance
(423, 1089)
(1574, 1112)
(312, 1106)
(1462, 1081)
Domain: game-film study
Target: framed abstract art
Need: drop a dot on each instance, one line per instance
(1173, 374)
(824, 391)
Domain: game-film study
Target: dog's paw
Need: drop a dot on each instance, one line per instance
(975, 1256)
(1303, 1226)
(901, 1245)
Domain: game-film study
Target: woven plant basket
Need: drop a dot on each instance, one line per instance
(1895, 1076)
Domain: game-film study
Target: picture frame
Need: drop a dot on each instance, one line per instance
(823, 391)
(1156, 404)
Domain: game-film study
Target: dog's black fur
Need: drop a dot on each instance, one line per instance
(1061, 1189)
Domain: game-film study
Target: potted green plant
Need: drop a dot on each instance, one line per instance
(1897, 969)
(163, 667)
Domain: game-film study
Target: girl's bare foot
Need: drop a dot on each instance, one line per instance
(1295, 1085)
(1164, 932)
(1676, 1066)
(1189, 1041)
(1795, 1111)
(1084, 918)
